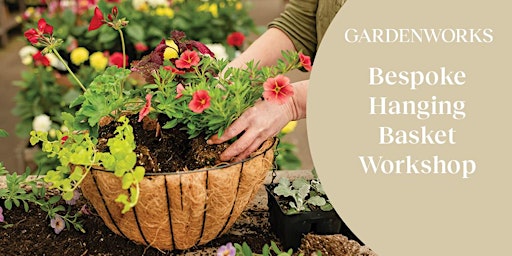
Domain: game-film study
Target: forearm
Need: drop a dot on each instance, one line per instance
(266, 49)
(299, 100)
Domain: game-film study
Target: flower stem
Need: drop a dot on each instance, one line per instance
(123, 47)
(69, 70)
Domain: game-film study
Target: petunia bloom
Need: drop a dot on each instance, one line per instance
(226, 250)
(200, 101)
(174, 70)
(97, 20)
(277, 89)
(305, 61)
(147, 107)
(116, 59)
(187, 59)
(179, 90)
(1, 214)
(57, 224)
(236, 39)
(141, 47)
(76, 194)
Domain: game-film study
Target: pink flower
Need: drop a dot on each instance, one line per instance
(57, 224)
(147, 107)
(85, 210)
(179, 91)
(141, 47)
(200, 101)
(116, 59)
(227, 250)
(43, 28)
(97, 20)
(76, 196)
(187, 59)
(174, 70)
(40, 59)
(305, 61)
(277, 89)
(1, 214)
(236, 39)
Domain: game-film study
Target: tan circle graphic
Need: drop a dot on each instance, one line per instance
(410, 126)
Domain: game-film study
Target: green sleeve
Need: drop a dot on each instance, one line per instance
(298, 22)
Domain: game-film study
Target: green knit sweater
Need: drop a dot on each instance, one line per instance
(305, 22)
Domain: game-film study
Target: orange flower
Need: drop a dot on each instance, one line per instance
(187, 59)
(200, 101)
(305, 61)
(147, 107)
(277, 89)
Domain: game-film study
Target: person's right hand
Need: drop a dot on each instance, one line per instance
(260, 122)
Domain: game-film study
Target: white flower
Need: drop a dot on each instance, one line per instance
(55, 62)
(156, 3)
(26, 53)
(41, 123)
(137, 4)
(219, 50)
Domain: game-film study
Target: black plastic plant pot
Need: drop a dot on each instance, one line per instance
(291, 228)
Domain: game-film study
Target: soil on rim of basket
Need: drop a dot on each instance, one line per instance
(166, 150)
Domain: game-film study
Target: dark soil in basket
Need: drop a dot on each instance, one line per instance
(31, 234)
(166, 150)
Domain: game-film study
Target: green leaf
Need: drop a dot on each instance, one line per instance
(8, 204)
(3, 133)
(138, 173)
(316, 200)
(246, 249)
(55, 199)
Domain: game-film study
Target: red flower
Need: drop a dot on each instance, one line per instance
(40, 59)
(116, 59)
(141, 47)
(43, 28)
(174, 70)
(235, 39)
(200, 101)
(97, 20)
(305, 61)
(187, 59)
(64, 139)
(179, 90)
(277, 89)
(145, 110)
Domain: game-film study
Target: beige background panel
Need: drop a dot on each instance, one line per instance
(402, 214)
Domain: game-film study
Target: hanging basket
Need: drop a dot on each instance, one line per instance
(179, 210)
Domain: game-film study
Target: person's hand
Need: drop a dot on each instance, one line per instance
(260, 122)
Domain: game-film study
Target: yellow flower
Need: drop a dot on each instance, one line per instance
(165, 11)
(98, 61)
(289, 127)
(170, 52)
(214, 10)
(239, 6)
(202, 7)
(79, 55)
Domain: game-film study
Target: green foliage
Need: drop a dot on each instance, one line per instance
(21, 190)
(3, 133)
(244, 250)
(304, 194)
(78, 154)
